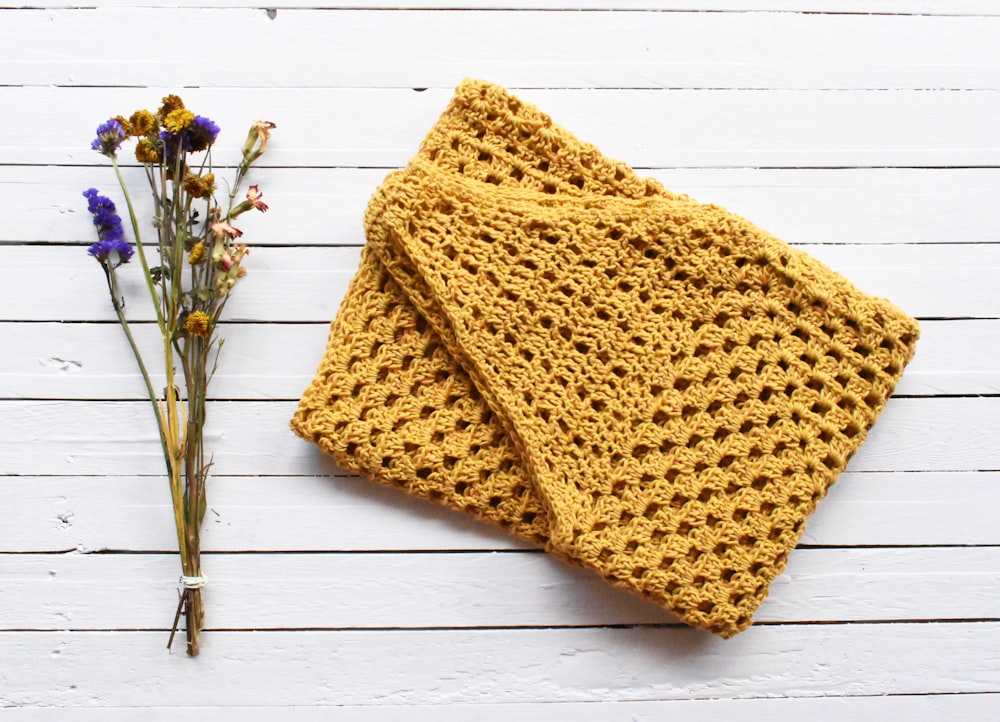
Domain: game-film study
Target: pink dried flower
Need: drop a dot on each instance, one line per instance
(254, 196)
(224, 229)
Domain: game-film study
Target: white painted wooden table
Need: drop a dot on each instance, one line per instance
(870, 140)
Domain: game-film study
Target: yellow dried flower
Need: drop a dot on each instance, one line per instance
(143, 122)
(196, 324)
(146, 151)
(200, 186)
(178, 120)
(170, 104)
(197, 253)
(126, 126)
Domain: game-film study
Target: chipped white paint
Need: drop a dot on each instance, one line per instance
(60, 364)
(865, 133)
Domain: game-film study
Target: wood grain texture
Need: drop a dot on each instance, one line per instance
(473, 666)
(340, 512)
(252, 437)
(900, 7)
(488, 589)
(973, 707)
(53, 360)
(323, 206)
(381, 127)
(513, 48)
(307, 284)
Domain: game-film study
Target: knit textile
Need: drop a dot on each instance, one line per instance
(641, 384)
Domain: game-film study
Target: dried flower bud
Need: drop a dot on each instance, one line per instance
(240, 251)
(201, 134)
(170, 104)
(224, 229)
(224, 282)
(148, 151)
(260, 132)
(197, 324)
(254, 196)
(200, 186)
(197, 253)
(178, 120)
(124, 123)
(143, 123)
(110, 136)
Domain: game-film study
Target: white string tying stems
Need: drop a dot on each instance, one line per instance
(193, 582)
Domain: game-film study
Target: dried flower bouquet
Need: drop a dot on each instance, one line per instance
(190, 269)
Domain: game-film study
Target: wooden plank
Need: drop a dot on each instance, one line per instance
(901, 7)
(252, 437)
(941, 345)
(375, 591)
(847, 205)
(282, 284)
(346, 513)
(301, 513)
(925, 289)
(916, 708)
(927, 280)
(48, 360)
(899, 509)
(93, 361)
(365, 127)
(609, 49)
(463, 666)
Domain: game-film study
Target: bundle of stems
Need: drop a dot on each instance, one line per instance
(190, 272)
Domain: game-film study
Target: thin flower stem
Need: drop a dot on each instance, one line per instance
(180, 231)
(163, 411)
(120, 311)
(172, 303)
(177, 618)
(167, 439)
(138, 244)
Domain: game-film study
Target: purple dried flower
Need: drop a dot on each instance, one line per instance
(110, 136)
(111, 243)
(117, 251)
(201, 134)
(197, 136)
(106, 218)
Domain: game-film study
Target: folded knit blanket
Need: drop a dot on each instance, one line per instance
(647, 386)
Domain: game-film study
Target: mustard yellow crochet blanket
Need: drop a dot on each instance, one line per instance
(649, 387)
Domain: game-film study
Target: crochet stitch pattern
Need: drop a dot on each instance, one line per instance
(641, 384)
